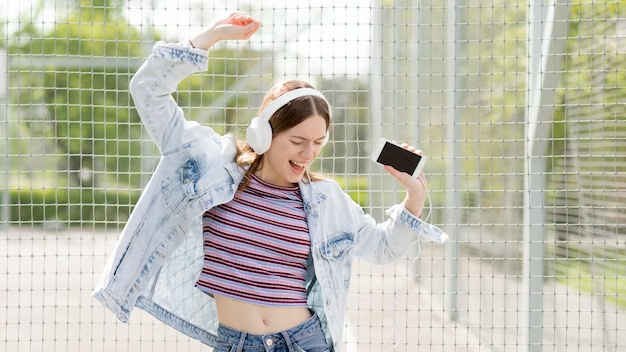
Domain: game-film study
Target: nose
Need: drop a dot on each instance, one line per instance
(309, 151)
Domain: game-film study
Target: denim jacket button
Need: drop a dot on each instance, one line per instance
(327, 302)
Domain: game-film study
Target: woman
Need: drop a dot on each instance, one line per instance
(271, 268)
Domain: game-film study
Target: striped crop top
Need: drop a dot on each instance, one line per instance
(256, 247)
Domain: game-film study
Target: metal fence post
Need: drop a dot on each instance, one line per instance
(455, 38)
(533, 195)
(4, 133)
(376, 102)
(546, 44)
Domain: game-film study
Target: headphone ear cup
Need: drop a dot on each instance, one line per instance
(325, 140)
(259, 135)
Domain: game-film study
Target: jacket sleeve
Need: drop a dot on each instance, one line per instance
(385, 242)
(152, 88)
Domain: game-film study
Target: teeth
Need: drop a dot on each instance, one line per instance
(298, 164)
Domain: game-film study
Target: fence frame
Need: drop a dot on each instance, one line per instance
(546, 48)
(4, 134)
(547, 33)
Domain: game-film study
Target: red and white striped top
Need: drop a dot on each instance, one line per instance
(256, 247)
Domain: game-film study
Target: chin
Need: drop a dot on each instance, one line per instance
(294, 179)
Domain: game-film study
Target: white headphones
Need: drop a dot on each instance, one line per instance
(259, 132)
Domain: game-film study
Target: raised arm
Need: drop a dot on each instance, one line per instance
(152, 86)
(383, 243)
(156, 80)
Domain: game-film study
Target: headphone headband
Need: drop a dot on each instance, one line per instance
(288, 97)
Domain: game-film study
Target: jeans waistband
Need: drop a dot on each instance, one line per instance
(278, 340)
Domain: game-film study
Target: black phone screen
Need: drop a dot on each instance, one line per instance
(398, 157)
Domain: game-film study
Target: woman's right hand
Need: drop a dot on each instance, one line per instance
(237, 26)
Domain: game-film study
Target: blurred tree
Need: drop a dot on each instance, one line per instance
(87, 102)
(350, 125)
(89, 107)
(3, 37)
(589, 153)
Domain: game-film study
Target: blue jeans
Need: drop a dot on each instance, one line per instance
(306, 337)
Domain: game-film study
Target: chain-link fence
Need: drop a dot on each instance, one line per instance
(518, 104)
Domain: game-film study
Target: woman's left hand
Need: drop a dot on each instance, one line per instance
(416, 191)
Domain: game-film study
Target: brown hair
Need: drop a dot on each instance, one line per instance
(288, 116)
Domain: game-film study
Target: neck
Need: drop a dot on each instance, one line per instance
(272, 178)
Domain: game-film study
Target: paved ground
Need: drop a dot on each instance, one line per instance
(45, 304)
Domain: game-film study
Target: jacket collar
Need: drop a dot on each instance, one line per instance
(312, 196)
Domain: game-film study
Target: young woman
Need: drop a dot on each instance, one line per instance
(268, 266)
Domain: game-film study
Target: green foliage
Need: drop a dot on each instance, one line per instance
(596, 91)
(90, 114)
(588, 121)
(600, 272)
(89, 108)
(357, 187)
(198, 93)
(348, 152)
(3, 42)
(493, 109)
(71, 206)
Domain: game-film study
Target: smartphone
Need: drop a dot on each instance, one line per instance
(389, 153)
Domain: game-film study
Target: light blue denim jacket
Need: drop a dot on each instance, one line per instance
(158, 257)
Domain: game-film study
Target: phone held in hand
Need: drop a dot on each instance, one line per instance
(389, 153)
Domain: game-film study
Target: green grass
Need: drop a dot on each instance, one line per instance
(600, 273)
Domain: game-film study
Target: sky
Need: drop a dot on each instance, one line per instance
(330, 37)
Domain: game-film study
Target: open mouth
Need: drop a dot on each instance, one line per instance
(297, 167)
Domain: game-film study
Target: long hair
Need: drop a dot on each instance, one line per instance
(283, 119)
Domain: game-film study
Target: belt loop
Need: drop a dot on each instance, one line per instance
(288, 341)
(242, 339)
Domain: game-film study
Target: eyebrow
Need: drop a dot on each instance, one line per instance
(307, 138)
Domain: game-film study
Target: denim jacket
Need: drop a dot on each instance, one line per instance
(159, 254)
